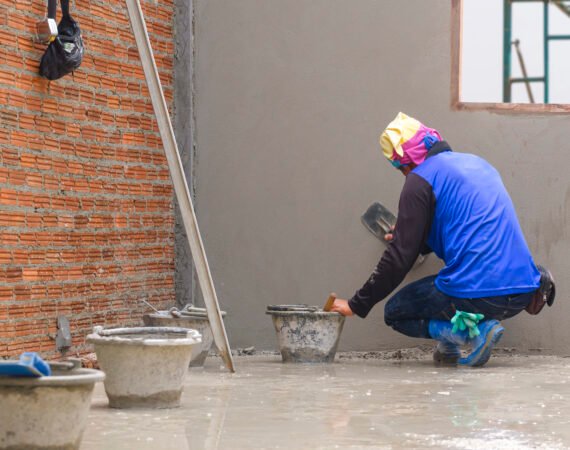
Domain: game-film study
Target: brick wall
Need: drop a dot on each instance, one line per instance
(86, 214)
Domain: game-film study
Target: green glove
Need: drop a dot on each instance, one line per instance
(466, 321)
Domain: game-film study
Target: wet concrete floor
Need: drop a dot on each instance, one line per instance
(515, 402)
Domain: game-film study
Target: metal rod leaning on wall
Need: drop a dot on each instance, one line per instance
(179, 180)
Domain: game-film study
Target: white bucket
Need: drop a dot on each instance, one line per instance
(145, 366)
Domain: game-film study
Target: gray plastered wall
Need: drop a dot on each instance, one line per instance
(184, 133)
(290, 98)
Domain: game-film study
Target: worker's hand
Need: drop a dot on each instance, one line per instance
(389, 236)
(341, 306)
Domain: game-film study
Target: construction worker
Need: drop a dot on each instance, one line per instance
(455, 205)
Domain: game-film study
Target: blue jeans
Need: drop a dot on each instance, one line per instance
(410, 309)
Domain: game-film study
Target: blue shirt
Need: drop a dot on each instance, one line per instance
(475, 229)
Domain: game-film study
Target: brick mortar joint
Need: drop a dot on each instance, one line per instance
(63, 101)
(153, 277)
(75, 121)
(106, 92)
(151, 151)
(74, 176)
(109, 298)
(80, 13)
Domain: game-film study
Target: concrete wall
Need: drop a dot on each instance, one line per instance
(183, 123)
(291, 97)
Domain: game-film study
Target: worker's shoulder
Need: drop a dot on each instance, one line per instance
(453, 167)
(451, 159)
(416, 183)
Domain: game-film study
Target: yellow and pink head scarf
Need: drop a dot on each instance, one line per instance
(406, 140)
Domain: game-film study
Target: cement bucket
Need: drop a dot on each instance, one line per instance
(194, 318)
(145, 366)
(48, 412)
(306, 334)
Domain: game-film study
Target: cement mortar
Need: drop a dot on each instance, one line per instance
(515, 402)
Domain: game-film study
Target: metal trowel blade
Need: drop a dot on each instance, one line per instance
(379, 220)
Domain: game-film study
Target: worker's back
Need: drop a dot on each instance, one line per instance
(475, 229)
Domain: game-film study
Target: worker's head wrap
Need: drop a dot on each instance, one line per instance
(406, 140)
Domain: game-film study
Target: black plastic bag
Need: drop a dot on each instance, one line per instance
(65, 53)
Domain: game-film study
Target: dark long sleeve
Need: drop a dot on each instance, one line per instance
(415, 213)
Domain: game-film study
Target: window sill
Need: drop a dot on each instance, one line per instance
(513, 108)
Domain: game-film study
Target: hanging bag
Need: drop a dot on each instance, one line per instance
(65, 53)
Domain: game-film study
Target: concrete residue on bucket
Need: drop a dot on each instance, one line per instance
(145, 366)
(306, 334)
(187, 317)
(47, 412)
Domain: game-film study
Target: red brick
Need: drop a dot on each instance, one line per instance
(82, 172)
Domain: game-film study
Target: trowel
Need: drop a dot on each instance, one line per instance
(380, 221)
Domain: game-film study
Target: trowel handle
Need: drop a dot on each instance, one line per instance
(330, 301)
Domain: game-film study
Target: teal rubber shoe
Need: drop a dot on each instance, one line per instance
(446, 353)
(491, 332)
(448, 350)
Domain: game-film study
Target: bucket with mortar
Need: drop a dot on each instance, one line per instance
(306, 334)
(145, 366)
(48, 412)
(188, 317)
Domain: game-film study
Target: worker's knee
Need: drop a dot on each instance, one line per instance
(390, 312)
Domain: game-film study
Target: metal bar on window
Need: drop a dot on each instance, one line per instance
(546, 56)
(507, 16)
(529, 79)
